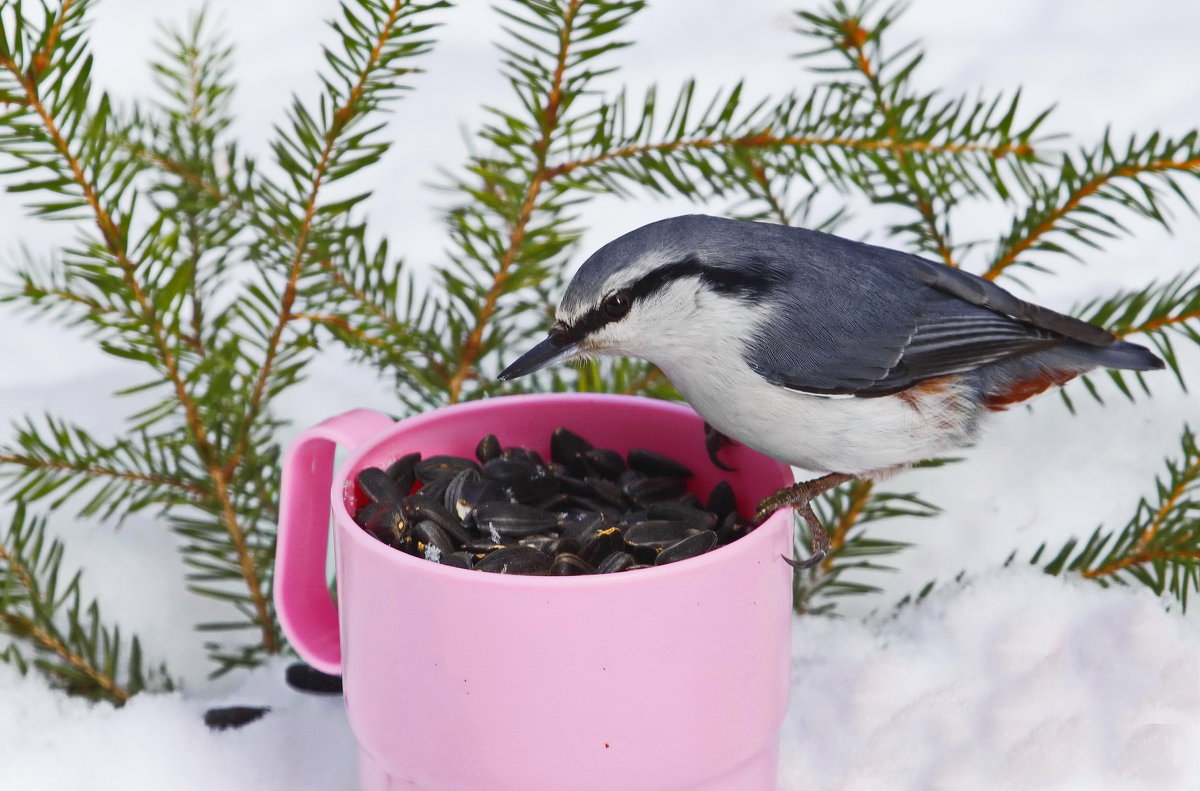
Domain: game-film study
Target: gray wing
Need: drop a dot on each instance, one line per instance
(866, 321)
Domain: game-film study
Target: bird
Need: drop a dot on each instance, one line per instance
(826, 353)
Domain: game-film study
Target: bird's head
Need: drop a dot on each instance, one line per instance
(658, 291)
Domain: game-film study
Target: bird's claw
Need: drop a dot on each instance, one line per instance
(714, 441)
(810, 562)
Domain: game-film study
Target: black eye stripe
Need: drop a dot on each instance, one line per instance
(744, 285)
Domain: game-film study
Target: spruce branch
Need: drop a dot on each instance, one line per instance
(1159, 546)
(515, 223)
(1079, 205)
(71, 645)
(61, 460)
(377, 39)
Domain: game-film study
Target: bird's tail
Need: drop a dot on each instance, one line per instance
(1019, 378)
(1122, 354)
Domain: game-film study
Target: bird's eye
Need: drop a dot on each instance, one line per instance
(617, 304)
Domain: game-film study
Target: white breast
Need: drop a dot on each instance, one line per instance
(692, 335)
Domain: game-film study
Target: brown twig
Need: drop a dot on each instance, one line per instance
(759, 173)
(767, 139)
(26, 626)
(104, 472)
(465, 364)
(1159, 323)
(341, 117)
(855, 40)
(1074, 200)
(860, 494)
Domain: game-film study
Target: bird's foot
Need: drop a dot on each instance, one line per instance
(714, 441)
(800, 496)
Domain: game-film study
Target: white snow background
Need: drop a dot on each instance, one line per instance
(1010, 680)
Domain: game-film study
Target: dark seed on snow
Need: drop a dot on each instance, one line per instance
(376, 485)
(307, 678)
(656, 465)
(487, 449)
(516, 560)
(226, 717)
(689, 547)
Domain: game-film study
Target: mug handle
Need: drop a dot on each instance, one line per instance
(302, 598)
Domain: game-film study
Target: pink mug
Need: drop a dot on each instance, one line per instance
(665, 679)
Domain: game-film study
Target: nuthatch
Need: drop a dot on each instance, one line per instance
(822, 352)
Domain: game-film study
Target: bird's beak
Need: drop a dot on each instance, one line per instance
(548, 352)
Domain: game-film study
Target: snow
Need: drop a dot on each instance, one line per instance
(1011, 680)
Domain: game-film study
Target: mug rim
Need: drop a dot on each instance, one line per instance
(350, 530)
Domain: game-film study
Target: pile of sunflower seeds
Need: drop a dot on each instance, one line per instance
(588, 511)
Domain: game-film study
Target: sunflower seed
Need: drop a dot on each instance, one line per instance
(721, 500)
(435, 467)
(516, 560)
(307, 678)
(678, 512)
(690, 547)
(566, 447)
(656, 465)
(602, 544)
(513, 519)
(652, 490)
(567, 564)
(432, 541)
(364, 514)
(604, 462)
(461, 560)
(227, 717)
(403, 472)
(487, 449)
(376, 485)
(617, 561)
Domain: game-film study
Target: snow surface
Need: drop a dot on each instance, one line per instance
(1013, 680)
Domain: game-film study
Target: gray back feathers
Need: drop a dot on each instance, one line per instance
(847, 317)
